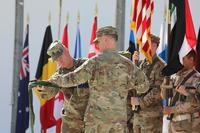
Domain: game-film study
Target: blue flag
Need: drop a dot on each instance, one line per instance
(22, 121)
(162, 48)
(77, 50)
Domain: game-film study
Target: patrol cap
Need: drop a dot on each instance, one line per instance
(155, 39)
(107, 30)
(56, 49)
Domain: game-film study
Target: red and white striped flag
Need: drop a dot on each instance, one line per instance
(143, 26)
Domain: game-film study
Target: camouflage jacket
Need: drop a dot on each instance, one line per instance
(190, 103)
(110, 76)
(75, 97)
(151, 102)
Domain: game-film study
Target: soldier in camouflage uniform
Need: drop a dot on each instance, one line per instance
(75, 97)
(187, 104)
(148, 119)
(110, 76)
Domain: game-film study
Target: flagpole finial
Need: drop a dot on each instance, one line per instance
(96, 9)
(67, 18)
(78, 17)
(27, 19)
(49, 18)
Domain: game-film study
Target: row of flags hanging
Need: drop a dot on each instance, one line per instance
(175, 43)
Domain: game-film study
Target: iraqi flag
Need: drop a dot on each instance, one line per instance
(182, 37)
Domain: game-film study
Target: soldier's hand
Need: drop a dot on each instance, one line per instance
(166, 86)
(46, 92)
(168, 110)
(182, 90)
(134, 101)
(135, 57)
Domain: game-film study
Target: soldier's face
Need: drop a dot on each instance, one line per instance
(154, 47)
(101, 44)
(60, 61)
(63, 60)
(188, 62)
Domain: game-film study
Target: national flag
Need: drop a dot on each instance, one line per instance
(46, 67)
(198, 52)
(162, 48)
(93, 50)
(58, 104)
(139, 20)
(134, 14)
(65, 36)
(59, 98)
(182, 37)
(143, 26)
(132, 46)
(77, 50)
(22, 121)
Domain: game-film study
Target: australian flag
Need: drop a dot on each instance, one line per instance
(22, 122)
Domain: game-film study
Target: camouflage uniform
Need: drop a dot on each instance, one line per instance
(110, 76)
(75, 97)
(75, 102)
(186, 117)
(149, 118)
(130, 113)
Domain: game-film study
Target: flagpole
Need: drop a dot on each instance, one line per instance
(168, 92)
(67, 18)
(18, 44)
(59, 17)
(96, 9)
(120, 21)
(49, 18)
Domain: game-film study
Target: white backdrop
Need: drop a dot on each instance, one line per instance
(38, 11)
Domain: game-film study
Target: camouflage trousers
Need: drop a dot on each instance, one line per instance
(72, 126)
(196, 125)
(105, 128)
(185, 126)
(147, 124)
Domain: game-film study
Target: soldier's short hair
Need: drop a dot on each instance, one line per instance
(107, 30)
(192, 54)
(56, 49)
(155, 39)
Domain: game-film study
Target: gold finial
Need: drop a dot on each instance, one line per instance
(96, 9)
(27, 19)
(67, 18)
(49, 18)
(78, 17)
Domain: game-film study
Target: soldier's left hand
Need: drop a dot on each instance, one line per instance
(134, 101)
(181, 89)
(168, 110)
